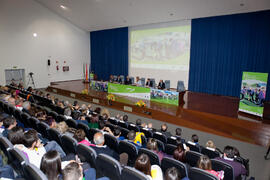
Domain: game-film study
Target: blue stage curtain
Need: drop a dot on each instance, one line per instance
(109, 52)
(223, 47)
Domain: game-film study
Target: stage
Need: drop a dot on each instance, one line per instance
(209, 113)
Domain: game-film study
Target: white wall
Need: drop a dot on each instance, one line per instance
(57, 40)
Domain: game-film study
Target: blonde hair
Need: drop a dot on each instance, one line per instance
(105, 111)
(62, 127)
(210, 144)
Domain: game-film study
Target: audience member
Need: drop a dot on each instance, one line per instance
(80, 137)
(173, 174)
(99, 141)
(63, 128)
(128, 81)
(149, 83)
(51, 165)
(9, 123)
(16, 135)
(205, 163)
(161, 84)
(153, 146)
(67, 113)
(51, 122)
(164, 131)
(228, 157)
(131, 138)
(180, 153)
(143, 164)
(117, 134)
(27, 107)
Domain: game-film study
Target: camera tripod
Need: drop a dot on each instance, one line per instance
(31, 81)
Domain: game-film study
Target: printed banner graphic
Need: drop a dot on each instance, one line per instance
(253, 91)
(167, 97)
(130, 91)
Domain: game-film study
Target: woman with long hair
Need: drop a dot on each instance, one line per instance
(51, 165)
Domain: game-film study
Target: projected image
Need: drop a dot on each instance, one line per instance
(160, 48)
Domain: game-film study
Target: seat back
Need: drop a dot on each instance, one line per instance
(113, 121)
(11, 110)
(147, 133)
(32, 172)
(24, 119)
(111, 141)
(210, 153)
(167, 163)
(55, 135)
(122, 124)
(161, 146)
(192, 158)
(133, 127)
(87, 154)
(143, 81)
(154, 159)
(167, 84)
(60, 118)
(108, 166)
(124, 132)
(69, 144)
(132, 174)
(172, 140)
(218, 165)
(86, 130)
(169, 149)
(53, 114)
(18, 159)
(193, 147)
(6, 146)
(160, 136)
(71, 123)
(130, 149)
(132, 80)
(180, 86)
(18, 114)
(111, 126)
(196, 173)
(42, 128)
(33, 122)
(5, 108)
(92, 132)
(153, 82)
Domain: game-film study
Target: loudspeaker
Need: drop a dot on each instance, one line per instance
(49, 62)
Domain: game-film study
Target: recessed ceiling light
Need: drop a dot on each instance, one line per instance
(35, 34)
(63, 7)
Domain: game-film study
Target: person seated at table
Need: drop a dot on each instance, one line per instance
(138, 81)
(111, 80)
(128, 81)
(119, 80)
(161, 84)
(149, 83)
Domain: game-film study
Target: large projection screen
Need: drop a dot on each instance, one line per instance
(160, 51)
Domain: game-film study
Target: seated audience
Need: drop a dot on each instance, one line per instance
(67, 113)
(149, 83)
(33, 148)
(138, 81)
(84, 109)
(153, 146)
(51, 122)
(138, 122)
(80, 137)
(117, 134)
(27, 107)
(94, 121)
(51, 165)
(16, 135)
(228, 157)
(82, 120)
(164, 131)
(195, 141)
(105, 114)
(119, 80)
(180, 153)
(161, 84)
(99, 141)
(128, 81)
(125, 119)
(173, 174)
(205, 163)
(132, 139)
(9, 123)
(143, 164)
(63, 128)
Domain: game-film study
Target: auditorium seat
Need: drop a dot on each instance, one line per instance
(42, 129)
(193, 147)
(133, 127)
(18, 158)
(143, 81)
(111, 126)
(18, 114)
(160, 136)
(199, 174)
(5, 107)
(167, 84)
(33, 122)
(92, 132)
(169, 149)
(218, 165)
(108, 166)
(60, 118)
(11, 110)
(32, 172)
(154, 159)
(124, 132)
(24, 119)
(111, 142)
(87, 154)
(71, 123)
(167, 163)
(6, 146)
(192, 158)
(122, 124)
(69, 144)
(55, 135)
(53, 114)
(132, 80)
(161, 146)
(172, 140)
(147, 133)
(210, 153)
(113, 121)
(130, 173)
(130, 149)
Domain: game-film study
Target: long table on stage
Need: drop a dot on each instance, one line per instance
(209, 113)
